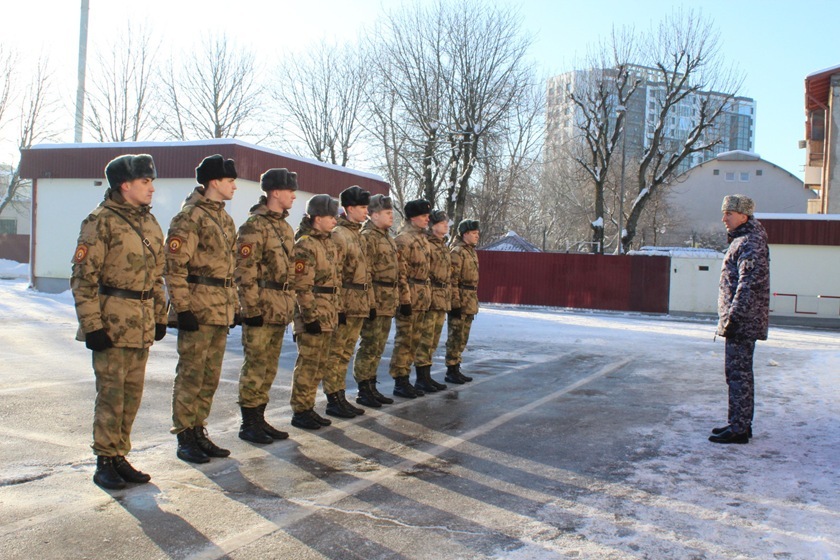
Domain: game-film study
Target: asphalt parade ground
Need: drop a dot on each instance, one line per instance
(582, 436)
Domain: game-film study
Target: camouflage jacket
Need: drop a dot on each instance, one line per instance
(464, 277)
(316, 267)
(265, 246)
(413, 251)
(390, 287)
(111, 253)
(201, 243)
(744, 297)
(439, 271)
(355, 272)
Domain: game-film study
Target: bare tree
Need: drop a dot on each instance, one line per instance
(213, 94)
(121, 93)
(8, 63)
(686, 59)
(36, 123)
(320, 93)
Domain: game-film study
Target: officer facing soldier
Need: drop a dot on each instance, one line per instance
(117, 284)
(357, 302)
(264, 274)
(413, 252)
(316, 284)
(439, 271)
(390, 289)
(200, 260)
(464, 281)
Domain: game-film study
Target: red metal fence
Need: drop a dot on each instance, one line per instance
(14, 247)
(621, 283)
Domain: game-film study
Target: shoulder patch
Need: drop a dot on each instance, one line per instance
(81, 254)
(173, 244)
(300, 266)
(246, 250)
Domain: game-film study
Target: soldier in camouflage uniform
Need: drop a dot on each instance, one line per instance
(464, 282)
(200, 260)
(439, 271)
(117, 284)
(743, 309)
(263, 277)
(391, 292)
(317, 284)
(357, 301)
(413, 251)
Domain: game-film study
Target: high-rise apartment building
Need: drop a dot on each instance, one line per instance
(735, 127)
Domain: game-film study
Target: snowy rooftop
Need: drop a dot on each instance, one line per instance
(683, 252)
(514, 243)
(737, 155)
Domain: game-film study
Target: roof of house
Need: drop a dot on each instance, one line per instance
(817, 85)
(512, 242)
(178, 160)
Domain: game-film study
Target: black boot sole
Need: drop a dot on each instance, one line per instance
(368, 402)
(453, 380)
(192, 459)
(256, 439)
(306, 425)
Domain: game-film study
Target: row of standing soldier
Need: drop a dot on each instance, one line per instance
(340, 280)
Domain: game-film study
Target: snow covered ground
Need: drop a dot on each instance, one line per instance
(584, 435)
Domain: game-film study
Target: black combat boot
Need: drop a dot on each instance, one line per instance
(305, 420)
(728, 436)
(366, 396)
(402, 388)
(379, 396)
(718, 431)
(453, 375)
(466, 378)
(423, 378)
(430, 380)
(347, 406)
(128, 472)
(106, 475)
(188, 449)
(320, 419)
(336, 408)
(251, 430)
(272, 432)
(210, 449)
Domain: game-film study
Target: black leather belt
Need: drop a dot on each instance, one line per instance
(352, 286)
(440, 284)
(126, 294)
(385, 284)
(210, 281)
(271, 285)
(324, 289)
(468, 287)
(418, 281)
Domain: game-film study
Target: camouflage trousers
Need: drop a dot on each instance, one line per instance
(372, 342)
(739, 378)
(197, 375)
(262, 347)
(119, 388)
(406, 341)
(344, 339)
(430, 337)
(313, 350)
(458, 333)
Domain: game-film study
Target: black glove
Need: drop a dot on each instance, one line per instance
(372, 314)
(313, 328)
(98, 340)
(187, 321)
(237, 320)
(405, 309)
(455, 313)
(342, 318)
(255, 321)
(160, 331)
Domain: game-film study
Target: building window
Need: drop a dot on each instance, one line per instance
(730, 175)
(759, 172)
(8, 227)
(745, 176)
(716, 172)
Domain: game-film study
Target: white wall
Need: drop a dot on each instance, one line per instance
(62, 204)
(694, 290)
(806, 271)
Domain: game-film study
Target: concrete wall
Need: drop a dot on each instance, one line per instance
(62, 204)
(806, 272)
(694, 284)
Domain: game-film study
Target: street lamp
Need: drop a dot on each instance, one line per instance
(621, 110)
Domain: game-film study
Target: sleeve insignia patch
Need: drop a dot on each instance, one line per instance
(246, 250)
(80, 254)
(300, 267)
(174, 244)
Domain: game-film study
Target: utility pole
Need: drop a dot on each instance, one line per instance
(80, 91)
(623, 112)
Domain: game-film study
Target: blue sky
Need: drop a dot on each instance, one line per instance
(775, 43)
